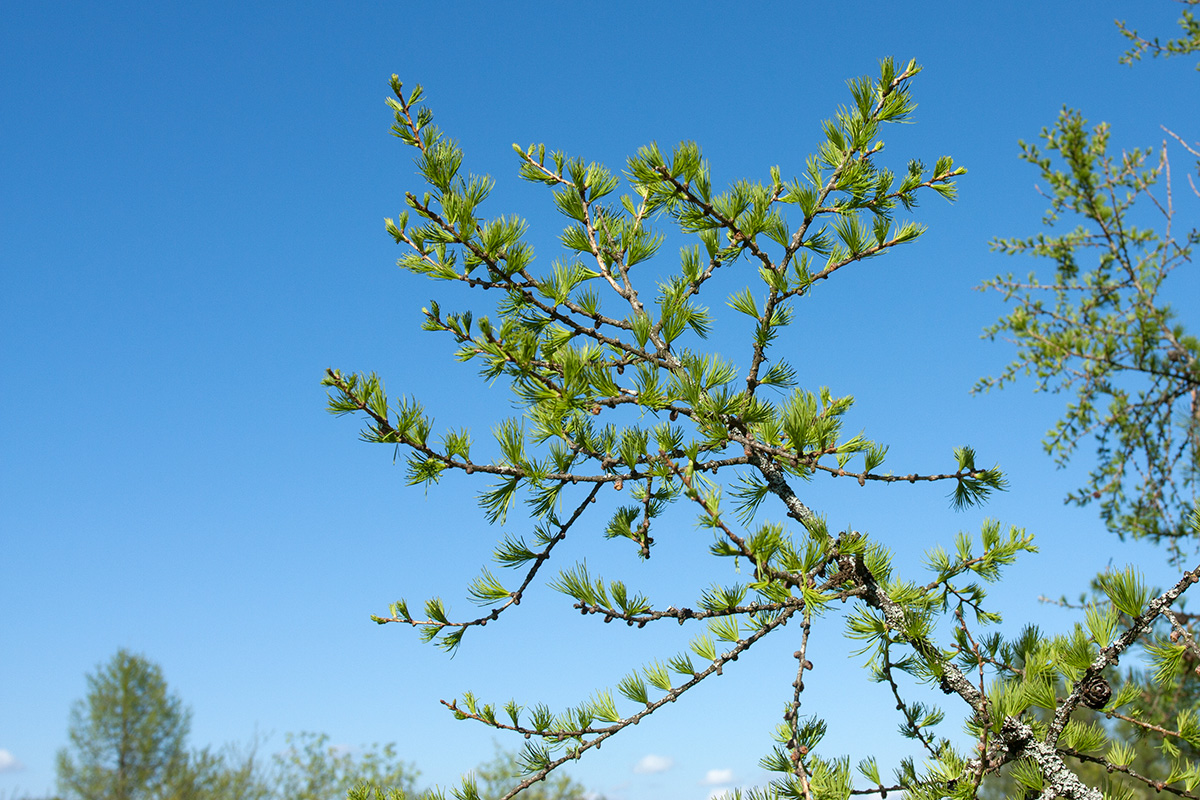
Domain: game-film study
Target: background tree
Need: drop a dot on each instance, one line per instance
(127, 736)
(310, 768)
(1183, 45)
(129, 742)
(130, 718)
(228, 774)
(1102, 329)
(620, 391)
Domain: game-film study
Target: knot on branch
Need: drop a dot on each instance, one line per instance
(1016, 734)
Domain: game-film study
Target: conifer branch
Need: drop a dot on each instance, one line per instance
(575, 381)
(515, 597)
(1124, 769)
(1109, 654)
(682, 615)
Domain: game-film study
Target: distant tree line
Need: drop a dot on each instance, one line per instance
(128, 740)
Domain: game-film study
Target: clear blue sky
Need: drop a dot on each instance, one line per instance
(191, 206)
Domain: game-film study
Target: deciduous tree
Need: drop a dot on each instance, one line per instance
(310, 768)
(231, 773)
(619, 392)
(127, 736)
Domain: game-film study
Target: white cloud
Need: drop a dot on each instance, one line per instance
(651, 763)
(718, 777)
(9, 762)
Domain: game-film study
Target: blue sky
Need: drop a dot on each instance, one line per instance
(191, 203)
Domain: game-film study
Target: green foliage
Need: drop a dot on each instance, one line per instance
(1100, 330)
(128, 740)
(228, 774)
(1126, 590)
(127, 737)
(1103, 332)
(310, 768)
(1184, 45)
(576, 342)
(365, 791)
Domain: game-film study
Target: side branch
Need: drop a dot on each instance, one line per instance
(515, 597)
(682, 614)
(1157, 786)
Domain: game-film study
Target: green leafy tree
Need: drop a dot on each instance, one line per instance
(128, 741)
(619, 391)
(127, 736)
(1101, 329)
(310, 768)
(227, 774)
(1184, 45)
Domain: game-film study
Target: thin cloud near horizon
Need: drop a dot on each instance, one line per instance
(9, 762)
(718, 777)
(650, 764)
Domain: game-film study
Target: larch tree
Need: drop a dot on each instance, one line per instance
(127, 737)
(1104, 332)
(620, 390)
